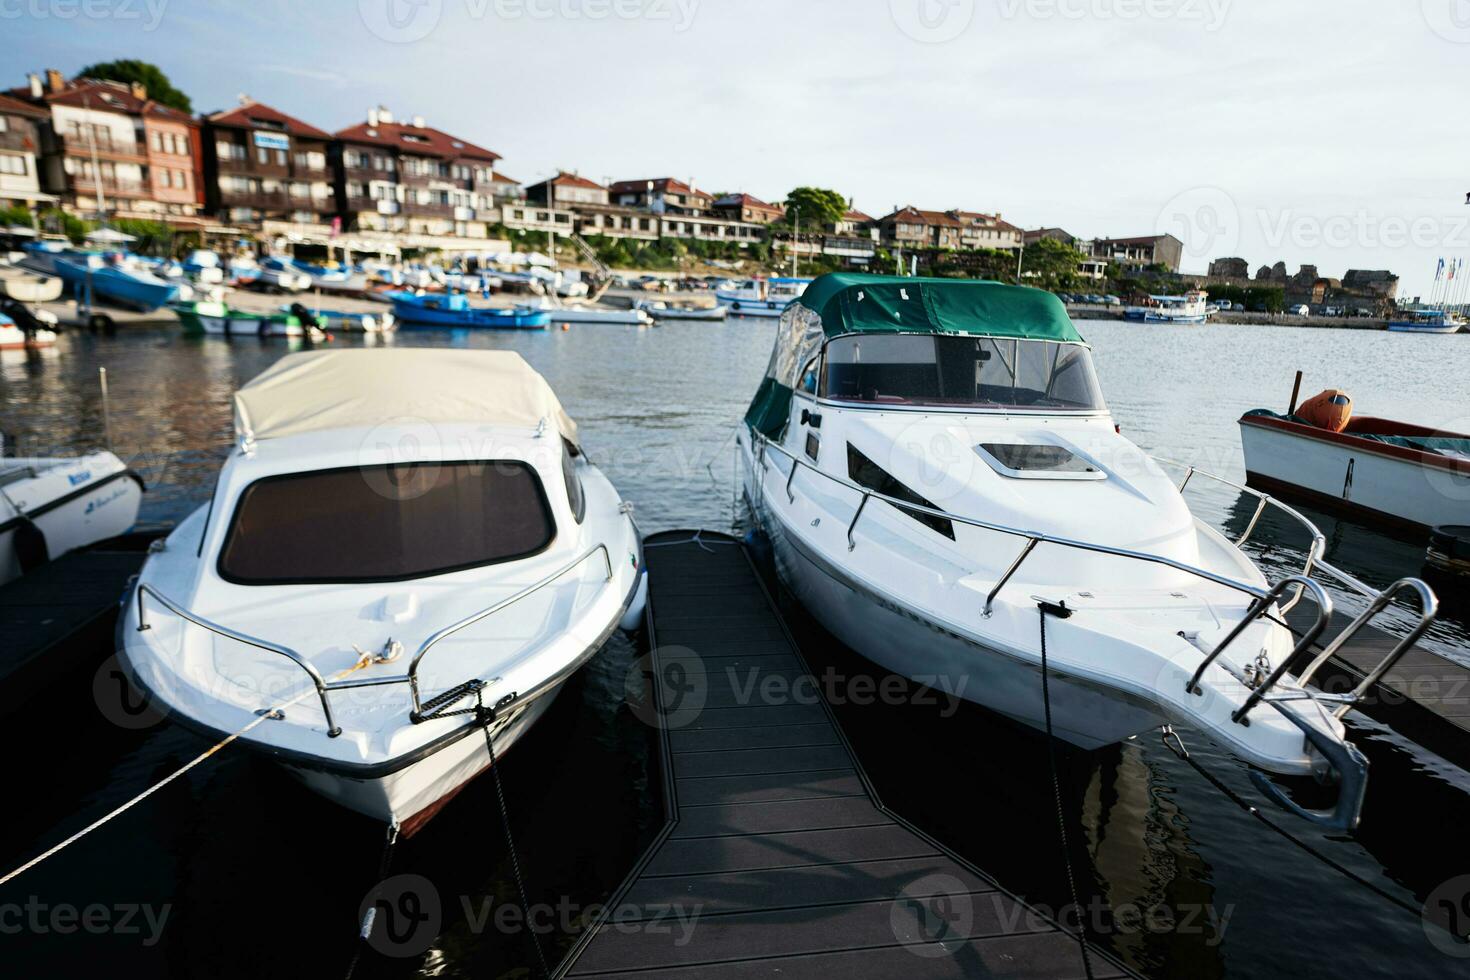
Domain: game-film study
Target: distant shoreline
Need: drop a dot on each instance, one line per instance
(1093, 311)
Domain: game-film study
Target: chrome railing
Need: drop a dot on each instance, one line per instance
(1262, 599)
(324, 686)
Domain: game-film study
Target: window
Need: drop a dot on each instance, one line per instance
(262, 154)
(864, 472)
(923, 369)
(385, 523)
(576, 497)
(12, 165)
(165, 177)
(4, 123)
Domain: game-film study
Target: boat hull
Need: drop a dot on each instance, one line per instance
(1421, 328)
(415, 315)
(903, 641)
(752, 307)
(29, 288)
(13, 338)
(74, 503)
(118, 287)
(413, 794)
(1375, 482)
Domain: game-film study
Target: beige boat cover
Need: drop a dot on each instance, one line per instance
(362, 389)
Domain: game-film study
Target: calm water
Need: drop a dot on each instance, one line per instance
(260, 877)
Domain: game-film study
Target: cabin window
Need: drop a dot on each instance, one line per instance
(385, 523)
(947, 370)
(813, 445)
(866, 473)
(576, 496)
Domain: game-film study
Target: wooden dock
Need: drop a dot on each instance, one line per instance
(778, 858)
(1425, 697)
(62, 614)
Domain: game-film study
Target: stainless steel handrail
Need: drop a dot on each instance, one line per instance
(431, 642)
(316, 678)
(323, 686)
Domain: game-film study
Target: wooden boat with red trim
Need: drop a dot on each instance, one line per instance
(1378, 470)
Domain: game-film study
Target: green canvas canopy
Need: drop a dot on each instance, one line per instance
(845, 303)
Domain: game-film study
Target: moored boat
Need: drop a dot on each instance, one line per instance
(1426, 321)
(946, 492)
(218, 319)
(370, 621)
(51, 506)
(93, 279)
(761, 297)
(668, 311)
(1376, 470)
(13, 337)
(1192, 307)
(27, 286)
(455, 310)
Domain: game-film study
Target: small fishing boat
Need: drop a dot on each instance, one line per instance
(51, 506)
(1426, 321)
(454, 310)
(562, 312)
(946, 492)
(282, 274)
(204, 266)
(12, 337)
(341, 321)
(371, 622)
(334, 280)
(666, 311)
(1376, 470)
(41, 254)
(27, 286)
(1189, 308)
(92, 278)
(762, 297)
(220, 320)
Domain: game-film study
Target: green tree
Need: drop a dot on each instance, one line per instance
(1051, 264)
(131, 70)
(816, 207)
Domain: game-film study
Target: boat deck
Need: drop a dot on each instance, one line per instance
(1425, 697)
(61, 613)
(776, 843)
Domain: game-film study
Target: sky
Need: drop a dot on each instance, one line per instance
(1300, 131)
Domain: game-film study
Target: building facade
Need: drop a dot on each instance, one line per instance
(661, 195)
(20, 148)
(1140, 252)
(268, 171)
(744, 207)
(431, 189)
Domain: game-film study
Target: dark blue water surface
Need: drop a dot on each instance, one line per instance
(251, 876)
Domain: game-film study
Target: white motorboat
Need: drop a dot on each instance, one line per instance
(13, 337)
(940, 479)
(665, 311)
(761, 297)
(1426, 321)
(27, 286)
(1192, 307)
(282, 274)
(51, 506)
(564, 312)
(367, 619)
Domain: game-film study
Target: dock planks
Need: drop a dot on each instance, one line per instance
(778, 853)
(57, 615)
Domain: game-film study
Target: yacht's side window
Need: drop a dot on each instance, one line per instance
(809, 377)
(575, 496)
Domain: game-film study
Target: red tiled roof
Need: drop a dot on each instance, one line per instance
(253, 114)
(496, 177)
(424, 140)
(669, 185)
(564, 179)
(859, 216)
(20, 107)
(913, 215)
(89, 93)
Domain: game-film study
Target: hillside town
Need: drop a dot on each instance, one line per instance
(82, 151)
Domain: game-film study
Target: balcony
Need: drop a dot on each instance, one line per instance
(80, 184)
(429, 210)
(363, 175)
(82, 148)
(259, 200)
(12, 139)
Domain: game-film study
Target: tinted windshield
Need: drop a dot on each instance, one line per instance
(385, 523)
(923, 369)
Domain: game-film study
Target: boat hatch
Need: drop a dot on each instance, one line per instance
(1023, 461)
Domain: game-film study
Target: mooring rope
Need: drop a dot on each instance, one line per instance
(385, 862)
(487, 717)
(264, 715)
(1062, 612)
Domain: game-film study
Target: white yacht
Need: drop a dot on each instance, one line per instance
(935, 467)
(51, 506)
(761, 297)
(407, 553)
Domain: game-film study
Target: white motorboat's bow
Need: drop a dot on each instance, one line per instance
(51, 506)
(381, 613)
(935, 467)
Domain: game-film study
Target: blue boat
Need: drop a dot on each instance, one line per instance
(454, 310)
(113, 284)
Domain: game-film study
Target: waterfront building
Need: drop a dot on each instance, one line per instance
(747, 208)
(1139, 252)
(268, 172)
(20, 147)
(661, 195)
